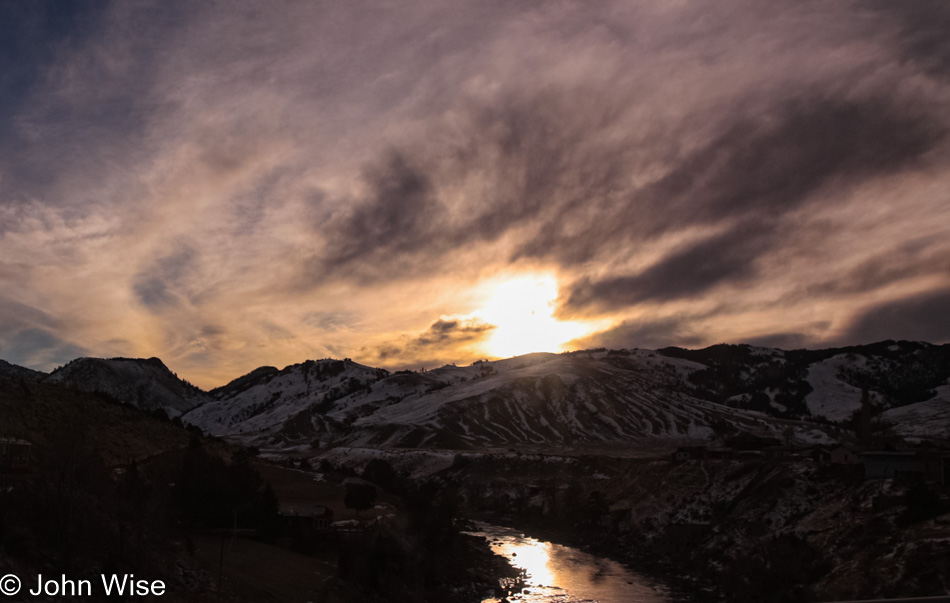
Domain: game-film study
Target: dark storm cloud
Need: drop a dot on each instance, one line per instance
(726, 258)
(760, 176)
(534, 157)
(353, 157)
(546, 168)
(771, 166)
(547, 160)
(443, 331)
(922, 317)
(643, 333)
(906, 261)
(441, 335)
(784, 341)
(922, 27)
(399, 217)
(758, 170)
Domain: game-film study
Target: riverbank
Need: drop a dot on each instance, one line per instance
(557, 572)
(655, 571)
(725, 530)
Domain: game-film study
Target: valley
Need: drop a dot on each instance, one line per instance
(706, 470)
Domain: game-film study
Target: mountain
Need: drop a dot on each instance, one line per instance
(13, 372)
(824, 383)
(144, 384)
(267, 398)
(561, 399)
(584, 398)
(589, 397)
(62, 421)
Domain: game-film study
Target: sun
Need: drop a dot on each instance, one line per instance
(522, 311)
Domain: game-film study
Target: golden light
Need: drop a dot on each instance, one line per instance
(522, 310)
(532, 556)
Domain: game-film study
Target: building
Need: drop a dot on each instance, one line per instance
(304, 526)
(844, 455)
(821, 454)
(305, 517)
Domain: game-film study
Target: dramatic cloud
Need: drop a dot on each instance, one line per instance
(728, 257)
(919, 37)
(921, 317)
(226, 187)
(39, 347)
(644, 333)
(443, 337)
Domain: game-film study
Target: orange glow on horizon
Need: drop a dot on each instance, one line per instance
(522, 311)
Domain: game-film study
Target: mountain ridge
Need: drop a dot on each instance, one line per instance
(145, 383)
(582, 397)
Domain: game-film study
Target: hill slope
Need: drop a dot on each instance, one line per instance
(579, 398)
(566, 399)
(13, 372)
(144, 384)
(595, 396)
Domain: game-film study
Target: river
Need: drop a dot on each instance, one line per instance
(562, 574)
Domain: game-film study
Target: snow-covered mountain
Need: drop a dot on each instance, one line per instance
(266, 398)
(145, 384)
(538, 398)
(579, 398)
(821, 384)
(595, 396)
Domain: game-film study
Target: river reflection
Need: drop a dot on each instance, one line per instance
(560, 573)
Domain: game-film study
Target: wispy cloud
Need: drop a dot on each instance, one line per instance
(226, 187)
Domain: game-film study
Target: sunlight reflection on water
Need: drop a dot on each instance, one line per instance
(567, 575)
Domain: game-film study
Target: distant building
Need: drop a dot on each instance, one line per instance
(304, 526)
(302, 517)
(820, 454)
(844, 455)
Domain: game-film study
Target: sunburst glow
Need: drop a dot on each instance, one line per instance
(522, 310)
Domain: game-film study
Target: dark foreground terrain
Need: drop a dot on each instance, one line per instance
(92, 484)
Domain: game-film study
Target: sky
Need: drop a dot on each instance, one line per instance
(227, 185)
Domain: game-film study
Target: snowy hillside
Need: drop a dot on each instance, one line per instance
(930, 418)
(145, 384)
(266, 397)
(818, 384)
(579, 398)
(576, 398)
